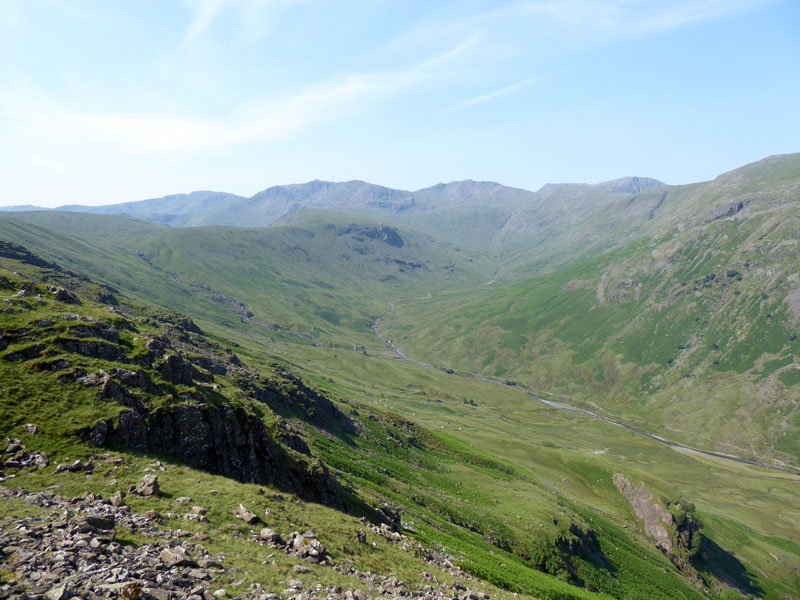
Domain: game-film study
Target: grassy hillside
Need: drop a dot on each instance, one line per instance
(322, 279)
(689, 328)
(673, 309)
(77, 355)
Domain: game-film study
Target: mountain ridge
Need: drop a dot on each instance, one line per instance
(621, 185)
(264, 208)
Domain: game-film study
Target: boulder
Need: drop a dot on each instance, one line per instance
(245, 515)
(58, 592)
(64, 295)
(270, 535)
(301, 569)
(176, 557)
(148, 486)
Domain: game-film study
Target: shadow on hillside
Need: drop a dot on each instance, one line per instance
(289, 397)
(717, 561)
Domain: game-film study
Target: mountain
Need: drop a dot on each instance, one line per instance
(178, 210)
(623, 185)
(267, 207)
(682, 314)
(484, 390)
(18, 207)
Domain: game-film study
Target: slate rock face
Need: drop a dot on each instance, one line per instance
(656, 518)
(176, 370)
(221, 439)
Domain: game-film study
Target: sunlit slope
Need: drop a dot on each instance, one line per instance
(324, 277)
(690, 327)
(498, 520)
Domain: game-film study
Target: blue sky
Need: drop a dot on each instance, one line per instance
(106, 102)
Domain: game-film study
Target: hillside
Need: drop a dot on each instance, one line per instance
(149, 384)
(322, 278)
(687, 324)
(245, 360)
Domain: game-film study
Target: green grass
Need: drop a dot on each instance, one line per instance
(676, 323)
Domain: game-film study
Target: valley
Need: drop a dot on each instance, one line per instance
(473, 367)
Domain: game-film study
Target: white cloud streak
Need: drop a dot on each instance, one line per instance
(687, 14)
(175, 135)
(252, 14)
(202, 13)
(504, 91)
(608, 18)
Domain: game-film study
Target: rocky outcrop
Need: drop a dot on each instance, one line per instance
(96, 329)
(16, 457)
(175, 370)
(289, 396)
(64, 295)
(92, 348)
(655, 517)
(383, 233)
(224, 440)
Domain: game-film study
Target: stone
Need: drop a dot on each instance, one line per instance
(40, 460)
(73, 467)
(199, 510)
(101, 523)
(294, 584)
(99, 434)
(14, 446)
(176, 557)
(301, 569)
(196, 518)
(31, 429)
(117, 499)
(148, 486)
(270, 535)
(245, 515)
(63, 295)
(58, 592)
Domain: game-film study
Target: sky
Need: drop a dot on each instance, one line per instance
(104, 102)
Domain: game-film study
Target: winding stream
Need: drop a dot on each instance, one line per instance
(561, 405)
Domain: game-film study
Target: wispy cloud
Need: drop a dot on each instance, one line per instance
(504, 91)
(606, 18)
(173, 134)
(253, 14)
(202, 13)
(687, 14)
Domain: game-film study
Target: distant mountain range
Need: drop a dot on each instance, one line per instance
(204, 208)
